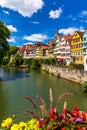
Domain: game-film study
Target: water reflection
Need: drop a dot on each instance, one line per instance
(12, 73)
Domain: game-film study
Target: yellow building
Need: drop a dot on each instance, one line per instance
(76, 48)
(42, 51)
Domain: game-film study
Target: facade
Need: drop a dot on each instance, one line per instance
(43, 51)
(36, 47)
(67, 57)
(51, 45)
(76, 48)
(62, 49)
(37, 52)
(84, 45)
(56, 51)
(26, 51)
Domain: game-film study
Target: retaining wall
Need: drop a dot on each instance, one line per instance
(76, 75)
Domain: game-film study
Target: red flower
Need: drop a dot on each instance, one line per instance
(76, 108)
(62, 128)
(76, 111)
(83, 116)
(52, 112)
(65, 111)
(39, 125)
(78, 128)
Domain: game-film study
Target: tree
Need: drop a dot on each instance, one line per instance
(4, 35)
(13, 50)
(17, 59)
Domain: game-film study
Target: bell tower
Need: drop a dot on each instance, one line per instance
(57, 34)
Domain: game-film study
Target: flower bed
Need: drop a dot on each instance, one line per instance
(51, 119)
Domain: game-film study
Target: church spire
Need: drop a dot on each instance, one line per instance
(57, 33)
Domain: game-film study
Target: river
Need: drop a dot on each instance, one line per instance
(16, 83)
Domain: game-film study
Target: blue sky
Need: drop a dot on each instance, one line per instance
(31, 21)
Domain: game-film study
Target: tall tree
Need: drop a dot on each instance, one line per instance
(4, 35)
(13, 50)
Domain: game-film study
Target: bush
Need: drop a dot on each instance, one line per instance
(35, 64)
(5, 60)
(76, 66)
(17, 59)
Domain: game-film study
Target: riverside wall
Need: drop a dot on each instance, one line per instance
(75, 75)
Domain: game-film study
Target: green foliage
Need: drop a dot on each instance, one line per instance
(17, 59)
(4, 46)
(84, 85)
(35, 63)
(13, 50)
(72, 65)
(5, 60)
(48, 61)
(28, 61)
(76, 66)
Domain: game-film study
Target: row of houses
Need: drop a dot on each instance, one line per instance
(68, 48)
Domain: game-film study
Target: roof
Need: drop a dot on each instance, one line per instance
(80, 33)
(68, 38)
(52, 42)
(22, 48)
(44, 46)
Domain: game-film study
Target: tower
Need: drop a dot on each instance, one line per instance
(57, 34)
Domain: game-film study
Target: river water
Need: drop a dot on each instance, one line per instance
(16, 83)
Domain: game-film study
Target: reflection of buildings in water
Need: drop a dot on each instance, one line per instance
(1, 75)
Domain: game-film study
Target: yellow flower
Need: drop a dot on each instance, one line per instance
(22, 124)
(7, 123)
(3, 124)
(15, 127)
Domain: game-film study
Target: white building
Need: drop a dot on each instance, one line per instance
(84, 45)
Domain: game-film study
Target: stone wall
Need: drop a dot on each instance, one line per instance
(75, 75)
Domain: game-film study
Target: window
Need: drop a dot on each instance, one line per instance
(86, 61)
(85, 38)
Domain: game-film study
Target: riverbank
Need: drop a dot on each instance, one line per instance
(74, 75)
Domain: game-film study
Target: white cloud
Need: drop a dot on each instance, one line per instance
(36, 37)
(28, 43)
(70, 30)
(23, 7)
(83, 13)
(55, 13)
(11, 40)
(11, 28)
(6, 12)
